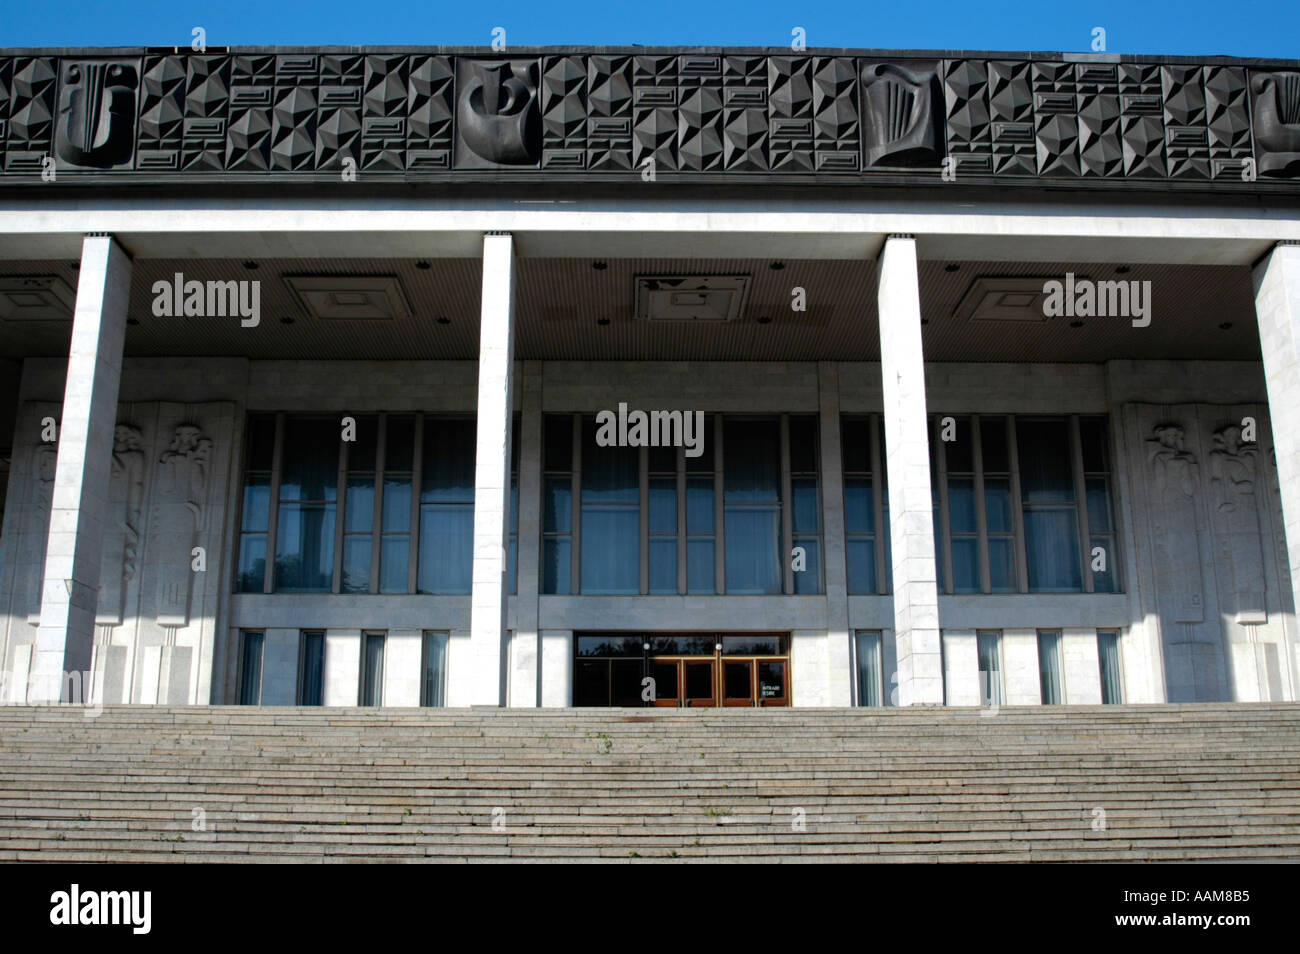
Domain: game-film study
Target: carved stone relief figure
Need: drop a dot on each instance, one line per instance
(1175, 478)
(121, 547)
(1239, 561)
(180, 514)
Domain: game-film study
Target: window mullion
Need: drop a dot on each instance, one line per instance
(981, 516)
(941, 462)
(884, 574)
(682, 549)
(575, 511)
(787, 516)
(643, 492)
(413, 541)
(377, 519)
(340, 508)
(273, 519)
(1081, 503)
(719, 512)
(1017, 509)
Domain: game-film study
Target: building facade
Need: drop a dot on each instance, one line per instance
(648, 377)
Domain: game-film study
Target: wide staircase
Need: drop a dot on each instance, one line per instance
(1089, 783)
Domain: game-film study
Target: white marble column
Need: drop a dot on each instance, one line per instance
(916, 604)
(70, 588)
(492, 471)
(1277, 307)
(839, 655)
(525, 683)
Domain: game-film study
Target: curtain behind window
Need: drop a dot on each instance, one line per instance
(313, 669)
(751, 470)
(611, 516)
(433, 683)
(1112, 689)
(869, 684)
(372, 686)
(1049, 668)
(250, 677)
(990, 670)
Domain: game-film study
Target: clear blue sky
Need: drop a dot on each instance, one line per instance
(1258, 28)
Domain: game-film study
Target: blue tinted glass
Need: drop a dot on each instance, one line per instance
(1002, 569)
(862, 566)
(663, 505)
(356, 564)
(394, 558)
(859, 513)
(610, 549)
(360, 516)
(961, 504)
(809, 579)
(699, 505)
(309, 465)
(252, 563)
(663, 565)
(446, 555)
(997, 504)
(751, 461)
(257, 502)
(556, 565)
(447, 468)
(1052, 550)
(753, 537)
(965, 565)
(397, 504)
(803, 490)
(304, 548)
(556, 515)
(700, 575)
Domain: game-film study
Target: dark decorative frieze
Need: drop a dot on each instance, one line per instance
(706, 113)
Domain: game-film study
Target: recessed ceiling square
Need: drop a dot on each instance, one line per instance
(703, 298)
(351, 297)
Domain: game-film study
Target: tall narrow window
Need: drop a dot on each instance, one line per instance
(701, 532)
(859, 505)
(662, 519)
(255, 515)
(311, 687)
(304, 542)
(1049, 668)
(1051, 518)
(989, 648)
(359, 507)
(805, 501)
(963, 523)
(999, 515)
(1102, 549)
(870, 687)
(1112, 680)
(936, 511)
(446, 506)
(557, 504)
(751, 471)
(611, 516)
(372, 671)
(513, 558)
(433, 679)
(395, 527)
(250, 670)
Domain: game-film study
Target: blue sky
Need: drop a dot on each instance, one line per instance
(1257, 28)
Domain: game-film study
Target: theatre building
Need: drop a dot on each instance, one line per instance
(631, 377)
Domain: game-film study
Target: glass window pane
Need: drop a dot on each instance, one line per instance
(609, 473)
(250, 676)
(360, 507)
(591, 683)
(868, 658)
(309, 467)
(862, 566)
(809, 579)
(961, 504)
(1112, 687)
(752, 646)
(993, 445)
(356, 564)
(1052, 550)
(753, 537)
(663, 505)
(1045, 471)
(1049, 668)
(751, 461)
(997, 504)
(556, 501)
(559, 442)
(611, 542)
(261, 442)
(990, 669)
(625, 676)
(252, 563)
(399, 446)
(958, 454)
(394, 558)
(1002, 565)
(855, 444)
(556, 565)
(938, 550)
(704, 463)
(372, 680)
(965, 565)
(771, 679)
(313, 670)
(859, 512)
(361, 452)
(803, 444)
(447, 466)
(433, 680)
(1103, 581)
(804, 509)
(1092, 443)
(1098, 504)
(738, 680)
(397, 504)
(446, 545)
(304, 548)
(699, 505)
(663, 565)
(257, 502)
(663, 460)
(700, 576)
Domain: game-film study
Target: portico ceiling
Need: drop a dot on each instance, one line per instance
(563, 303)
